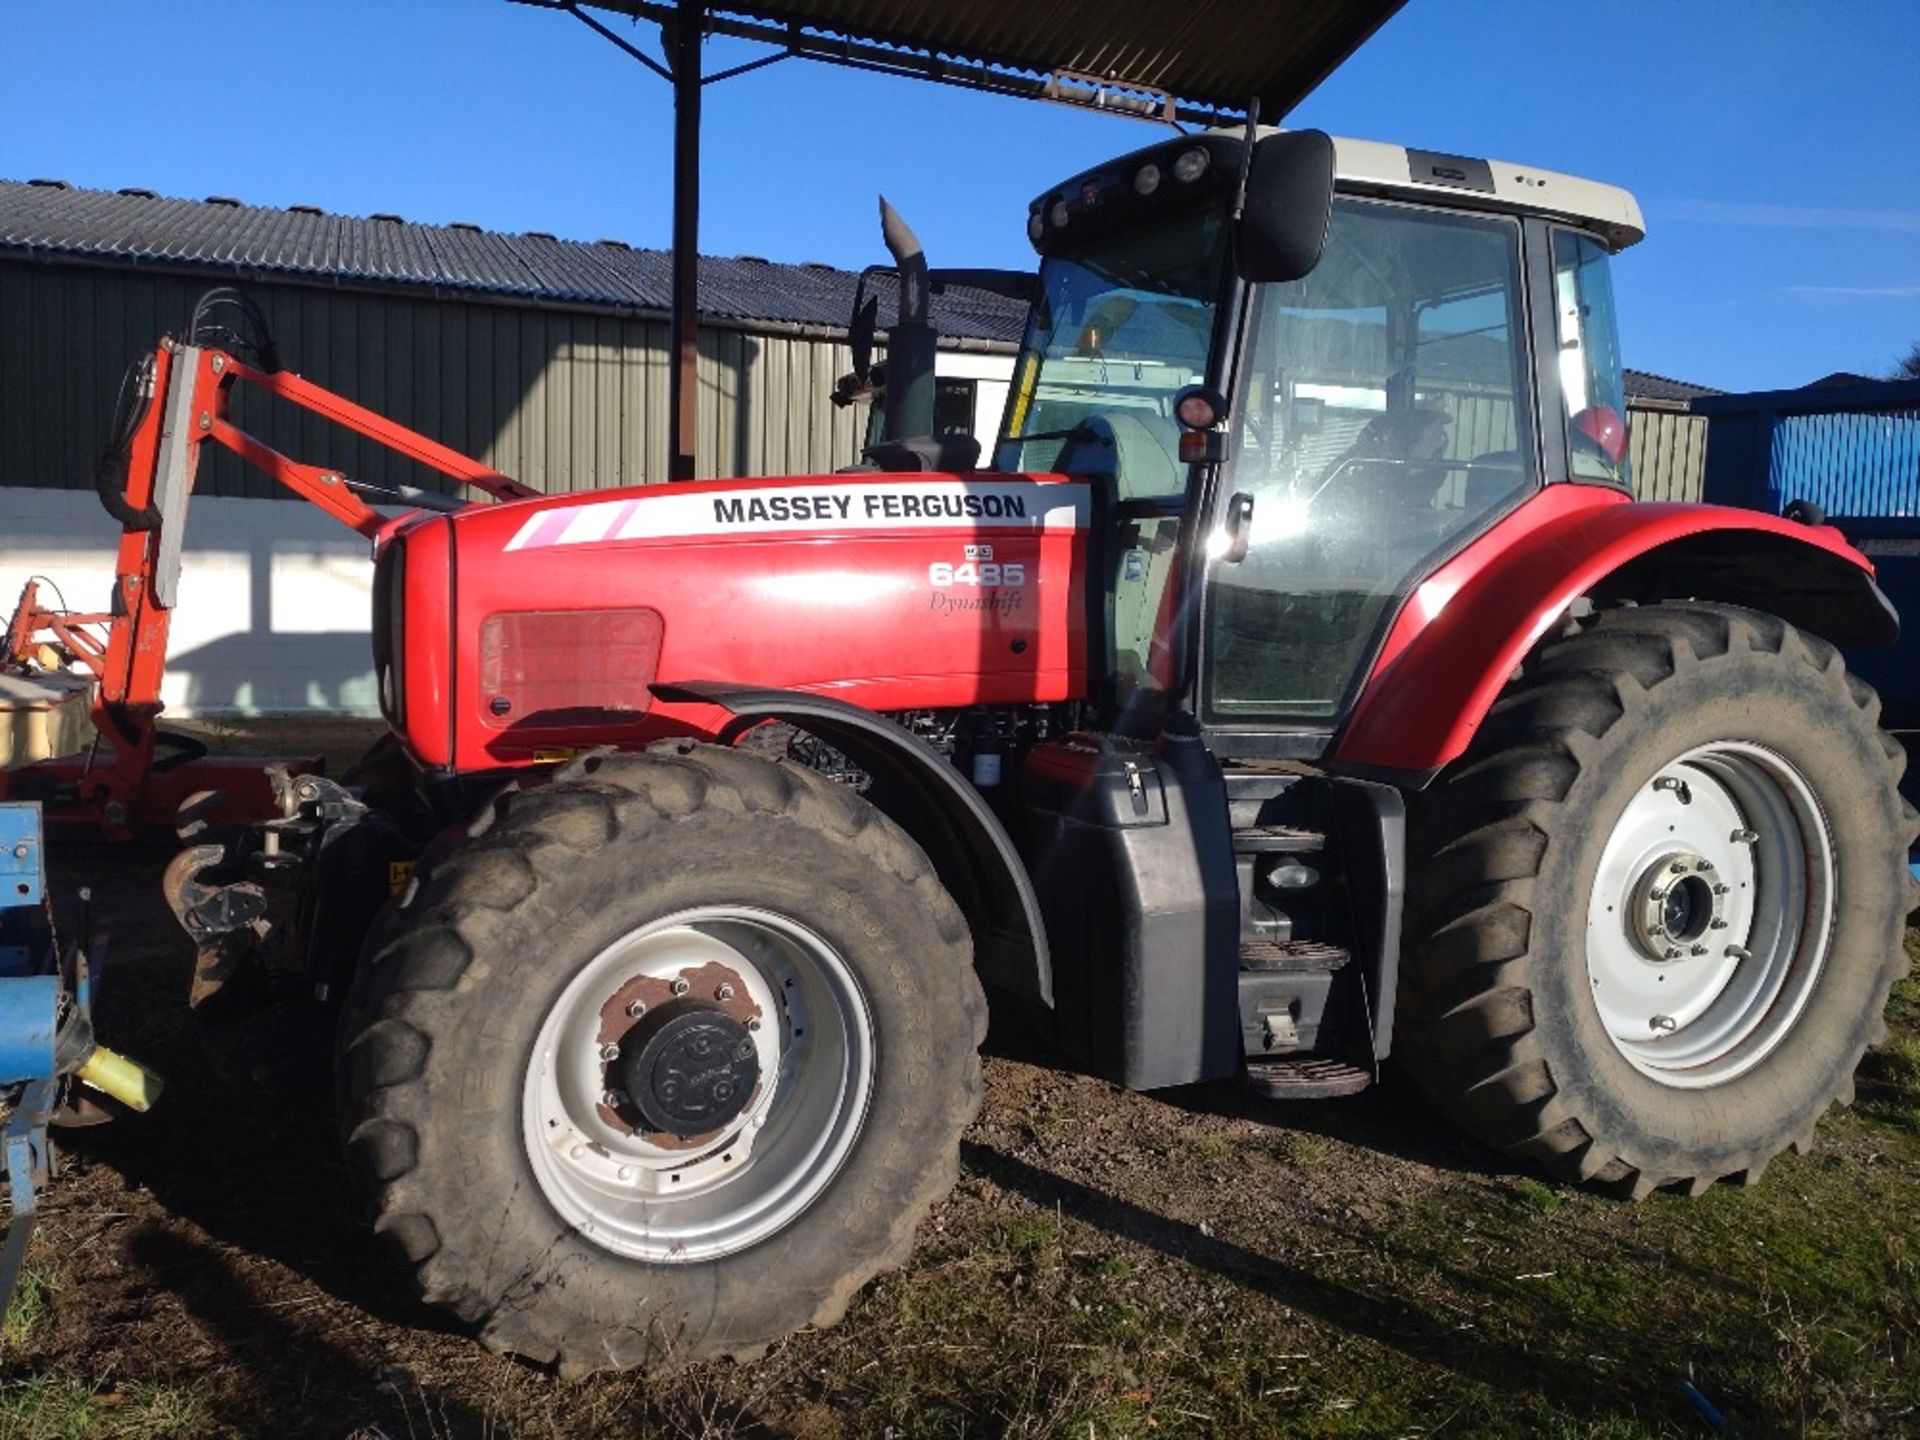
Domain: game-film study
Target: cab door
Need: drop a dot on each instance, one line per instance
(1384, 417)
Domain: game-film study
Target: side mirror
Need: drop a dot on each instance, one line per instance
(1283, 225)
(866, 316)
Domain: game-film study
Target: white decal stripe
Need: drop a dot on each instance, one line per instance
(903, 505)
(524, 536)
(590, 522)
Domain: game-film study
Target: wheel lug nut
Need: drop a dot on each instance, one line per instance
(636, 1008)
(1673, 952)
(614, 1099)
(609, 1052)
(1699, 950)
(680, 987)
(723, 992)
(754, 1023)
(1705, 867)
(1679, 867)
(1716, 924)
(1720, 889)
(1656, 894)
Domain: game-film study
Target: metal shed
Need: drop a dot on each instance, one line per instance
(546, 358)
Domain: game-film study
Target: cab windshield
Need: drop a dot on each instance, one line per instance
(1119, 328)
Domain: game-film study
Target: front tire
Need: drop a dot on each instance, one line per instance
(666, 1064)
(1662, 901)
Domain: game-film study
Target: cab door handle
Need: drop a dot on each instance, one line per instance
(1236, 527)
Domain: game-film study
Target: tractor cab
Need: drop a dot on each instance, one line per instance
(1301, 379)
(1307, 380)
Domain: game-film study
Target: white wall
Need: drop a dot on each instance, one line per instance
(274, 602)
(995, 376)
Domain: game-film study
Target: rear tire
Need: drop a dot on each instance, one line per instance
(1587, 862)
(489, 1015)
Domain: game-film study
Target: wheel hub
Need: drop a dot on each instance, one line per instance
(697, 1084)
(689, 1068)
(1709, 918)
(1679, 902)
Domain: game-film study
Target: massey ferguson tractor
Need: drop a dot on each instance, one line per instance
(1299, 681)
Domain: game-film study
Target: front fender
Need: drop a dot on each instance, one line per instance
(915, 787)
(1461, 633)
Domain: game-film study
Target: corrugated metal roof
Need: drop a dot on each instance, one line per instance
(52, 220)
(1215, 54)
(47, 220)
(1642, 385)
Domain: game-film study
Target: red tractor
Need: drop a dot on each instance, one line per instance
(1301, 679)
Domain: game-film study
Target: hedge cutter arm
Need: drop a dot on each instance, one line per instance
(180, 399)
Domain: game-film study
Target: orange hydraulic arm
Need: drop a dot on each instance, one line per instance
(186, 391)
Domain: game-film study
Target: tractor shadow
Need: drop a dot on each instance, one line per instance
(1390, 1118)
(259, 1171)
(1351, 1303)
(309, 1383)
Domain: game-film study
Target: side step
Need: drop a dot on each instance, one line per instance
(1277, 839)
(1291, 1006)
(1292, 957)
(1304, 1077)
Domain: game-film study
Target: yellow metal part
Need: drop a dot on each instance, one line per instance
(127, 1081)
(43, 716)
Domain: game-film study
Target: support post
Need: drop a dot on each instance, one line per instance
(683, 423)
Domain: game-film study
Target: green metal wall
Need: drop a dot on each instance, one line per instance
(559, 400)
(1668, 452)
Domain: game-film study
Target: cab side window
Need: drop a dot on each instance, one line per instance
(1385, 415)
(1592, 387)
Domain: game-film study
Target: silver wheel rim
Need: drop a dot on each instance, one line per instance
(653, 1196)
(1711, 914)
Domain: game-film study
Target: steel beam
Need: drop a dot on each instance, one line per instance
(683, 413)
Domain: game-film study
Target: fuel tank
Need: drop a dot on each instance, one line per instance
(505, 634)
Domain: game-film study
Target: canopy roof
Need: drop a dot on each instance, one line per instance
(1199, 61)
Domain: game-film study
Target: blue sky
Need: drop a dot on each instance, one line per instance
(1771, 145)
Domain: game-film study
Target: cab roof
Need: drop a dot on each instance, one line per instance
(1373, 167)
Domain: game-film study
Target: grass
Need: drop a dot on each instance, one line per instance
(62, 1407)
(55, 1405)
(1488, 1306)
(30, 1312)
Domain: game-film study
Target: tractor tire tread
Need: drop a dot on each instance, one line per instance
(1465, 1025)
(408, 990)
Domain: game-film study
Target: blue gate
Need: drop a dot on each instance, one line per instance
(1853, 450)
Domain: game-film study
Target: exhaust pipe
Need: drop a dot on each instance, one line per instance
(911, 340)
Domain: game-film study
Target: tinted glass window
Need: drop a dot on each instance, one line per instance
(1118, 328)
(1591, 385)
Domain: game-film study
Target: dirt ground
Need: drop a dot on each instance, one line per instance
(1194, 1262)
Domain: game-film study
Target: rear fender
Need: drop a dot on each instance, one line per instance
(1460, 635)
(923, 794)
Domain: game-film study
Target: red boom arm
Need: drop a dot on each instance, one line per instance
(191, 387)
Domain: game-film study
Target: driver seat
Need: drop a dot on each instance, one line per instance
(1125, 446)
